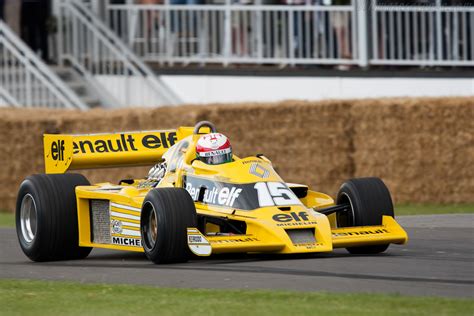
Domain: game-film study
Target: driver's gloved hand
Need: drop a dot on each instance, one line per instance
(157, 172)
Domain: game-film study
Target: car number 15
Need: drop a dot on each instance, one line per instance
(275, 194)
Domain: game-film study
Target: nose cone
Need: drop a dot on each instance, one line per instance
(297, 227)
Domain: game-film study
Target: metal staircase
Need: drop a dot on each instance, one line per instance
(79, 85)
(114, 73)
(96, 69)
(26, 81)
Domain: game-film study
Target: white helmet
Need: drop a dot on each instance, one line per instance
(214, 149)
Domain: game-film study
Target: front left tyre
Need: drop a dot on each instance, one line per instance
(369, 200)
(46, 217)
(166, 215)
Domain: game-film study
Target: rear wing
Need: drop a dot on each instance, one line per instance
(70, 152)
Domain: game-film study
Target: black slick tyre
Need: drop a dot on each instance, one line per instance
(46, 217)
(370, 200)
(166, 215)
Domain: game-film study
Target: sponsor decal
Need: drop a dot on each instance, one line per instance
(127, 241)
(116, 226)
(362, 232)
(224, 196)
(57, 150)
(293, 219)
(122, 143)
(234, 240)
(248, 196)
(259, 171)
(308, 245)
(293, 216)
(293, 224)
(196, 239)
(244, 162)
(215, 152)
(197, 243)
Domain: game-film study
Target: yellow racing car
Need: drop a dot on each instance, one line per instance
(198, 199)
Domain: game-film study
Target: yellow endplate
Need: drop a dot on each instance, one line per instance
(390, 232)
(197, 243)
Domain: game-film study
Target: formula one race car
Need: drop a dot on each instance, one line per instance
(186, 206)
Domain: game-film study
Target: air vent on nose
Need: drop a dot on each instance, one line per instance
(301, 236)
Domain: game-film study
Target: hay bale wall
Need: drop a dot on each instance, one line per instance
(422, 148)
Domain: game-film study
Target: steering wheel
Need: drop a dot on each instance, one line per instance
(202, 124)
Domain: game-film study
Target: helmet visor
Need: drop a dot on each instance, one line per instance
(218, 159)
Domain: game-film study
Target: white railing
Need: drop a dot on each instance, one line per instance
(362, 33)
(422, 35)
(262, 34)
(6, 99)
(118, 76)
(25, 81)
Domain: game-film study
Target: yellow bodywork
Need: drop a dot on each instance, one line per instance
(268, 228)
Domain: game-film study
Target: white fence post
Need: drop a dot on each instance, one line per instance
(361, 14)
(227, 33)
(439, 30)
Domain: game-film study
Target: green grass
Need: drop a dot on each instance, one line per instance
(60, 298)
(426, 209)
(7, 219)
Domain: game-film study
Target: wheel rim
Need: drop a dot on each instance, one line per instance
(28, 218)
(153, 227)
(150, 227)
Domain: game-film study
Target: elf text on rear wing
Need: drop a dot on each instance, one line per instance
(70, 152)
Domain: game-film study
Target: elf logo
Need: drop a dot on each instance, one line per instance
(293, 216)
(57, 150)
(124, 143)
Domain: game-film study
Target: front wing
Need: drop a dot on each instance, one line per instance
(324, 241)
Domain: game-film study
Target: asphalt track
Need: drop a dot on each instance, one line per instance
(438, 260)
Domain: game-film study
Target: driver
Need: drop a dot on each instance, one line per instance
(214, 149)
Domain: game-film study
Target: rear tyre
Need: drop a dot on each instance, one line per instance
(46, 217)
(166, 215)
(370, 200)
